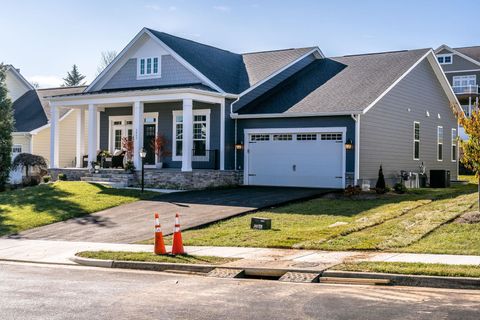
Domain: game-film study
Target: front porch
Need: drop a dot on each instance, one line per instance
(190, 121)
(168, 178)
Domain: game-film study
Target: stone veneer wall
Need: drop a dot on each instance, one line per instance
(197, 179)
(71, 173)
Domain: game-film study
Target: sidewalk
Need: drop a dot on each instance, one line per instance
(60, 252)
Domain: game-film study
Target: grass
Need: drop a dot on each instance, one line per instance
(150, 257)
(444, 270)
(31, 207)
(391, 222)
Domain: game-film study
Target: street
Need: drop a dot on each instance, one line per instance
(38, 291)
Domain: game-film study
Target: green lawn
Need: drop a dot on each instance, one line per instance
(150, 257)
(391, 222)
(31, 207)
(428, 269)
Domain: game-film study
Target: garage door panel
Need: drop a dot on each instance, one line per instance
(300, 163)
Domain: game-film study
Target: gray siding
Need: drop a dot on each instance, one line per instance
(386, 135)
(172, 73)
(306, 122)
(459, 63)
(165, 124)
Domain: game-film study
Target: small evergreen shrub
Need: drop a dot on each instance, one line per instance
(380, 187)
(62, 177)
(46, 179)
(399, 188)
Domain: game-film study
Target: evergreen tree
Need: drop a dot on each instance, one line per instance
(6, 129)
(73, 78)
(380, 187)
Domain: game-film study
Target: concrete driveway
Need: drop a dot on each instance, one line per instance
(134, 222)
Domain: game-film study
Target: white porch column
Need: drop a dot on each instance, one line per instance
(222, 135)
(54, 129)
(187, 145)
(92, 134)
(80, 136)
(137, 133)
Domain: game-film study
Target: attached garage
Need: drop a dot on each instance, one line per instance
(298, 157)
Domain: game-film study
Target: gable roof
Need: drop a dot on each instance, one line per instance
(19, 76)
(222, 70)
(28, 112)
(341, 85)
(43, 95)
(471, 54)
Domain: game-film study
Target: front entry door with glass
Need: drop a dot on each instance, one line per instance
(148, 138)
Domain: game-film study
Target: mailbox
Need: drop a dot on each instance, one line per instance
(261, 223)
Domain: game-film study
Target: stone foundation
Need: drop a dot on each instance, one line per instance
(197, 179)
(161, 178)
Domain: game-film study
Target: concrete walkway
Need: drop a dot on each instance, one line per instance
(44, 251)
(133, 222)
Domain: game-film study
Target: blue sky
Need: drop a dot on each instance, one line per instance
(45, 38)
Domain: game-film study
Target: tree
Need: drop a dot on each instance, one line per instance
(73, 78)
(105, 60)
(6, 129)
(380, 187)
(471, 147)
(29, 161)
(36, 85)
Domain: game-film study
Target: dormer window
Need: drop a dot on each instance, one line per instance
(445, 58)
(148, 67)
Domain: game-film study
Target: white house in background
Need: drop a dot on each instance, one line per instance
(31, 113)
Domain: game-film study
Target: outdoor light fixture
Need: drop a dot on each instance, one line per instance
(143, 154)
(238, 146)
(349, 144)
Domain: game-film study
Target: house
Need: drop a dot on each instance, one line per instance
(289, 117)
(31, 114)
(462, 68)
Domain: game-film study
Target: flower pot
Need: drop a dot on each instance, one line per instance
(159, 165)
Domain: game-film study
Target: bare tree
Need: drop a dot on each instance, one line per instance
(105, 60)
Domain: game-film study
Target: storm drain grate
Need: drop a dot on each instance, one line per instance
(304, 277)
(226, 273)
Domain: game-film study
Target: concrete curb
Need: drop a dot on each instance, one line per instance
(395, 279)
(411, 280)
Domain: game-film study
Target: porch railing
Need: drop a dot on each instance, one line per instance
(470, 89)
(205, 159)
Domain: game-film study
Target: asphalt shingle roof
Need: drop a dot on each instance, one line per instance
(44, 93)
(232, 72)
(472, 52)
(339, 84)
(28, 112)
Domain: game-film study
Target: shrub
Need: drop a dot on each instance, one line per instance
(129, 167)
(399, 188)
(353, 190)
(46, 179)
(62, 177)
(380, 187)
(31, 181)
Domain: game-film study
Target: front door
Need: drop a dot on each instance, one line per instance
(148, 137)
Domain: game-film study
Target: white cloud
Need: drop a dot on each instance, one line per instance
(153, 7)
(222, 8)
(46, 81)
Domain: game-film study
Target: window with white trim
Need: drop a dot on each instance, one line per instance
(201, 129)
(454, 145)
(445, 58)
(148, 67)
(416, 140)
(440, 143)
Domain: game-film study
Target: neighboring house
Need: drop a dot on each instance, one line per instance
(289, 117)
(31, 113)
(462, 68)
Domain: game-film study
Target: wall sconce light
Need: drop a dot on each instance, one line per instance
(349, 144)
(238, 146)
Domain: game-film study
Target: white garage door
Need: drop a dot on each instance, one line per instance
(296, 159)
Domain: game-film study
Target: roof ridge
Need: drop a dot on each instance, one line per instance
(276, 50)
(193, 41)
(381, 52)
(466, 47)
(56, 88)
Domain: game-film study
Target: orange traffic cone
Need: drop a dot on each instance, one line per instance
(159, 246)
(177, 247)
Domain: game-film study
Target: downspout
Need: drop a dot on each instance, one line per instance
(356, 118)
(236, 131)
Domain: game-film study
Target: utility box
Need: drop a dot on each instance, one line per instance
(439, 178)
(261, 223)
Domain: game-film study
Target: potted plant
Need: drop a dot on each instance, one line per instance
(129, 167)
(159, 146)
(105, 156)
(127, 145)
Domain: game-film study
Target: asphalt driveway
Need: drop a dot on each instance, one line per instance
(134, 222)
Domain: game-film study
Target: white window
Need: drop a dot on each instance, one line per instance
(416, 140)
(306, 136)
(454, 145)
(17, 148)
(465, 84)
(331, 136)
(201, 135)
(259, 137)
(282, 137)
(445, 58)
(440, 143)
(148, 67)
